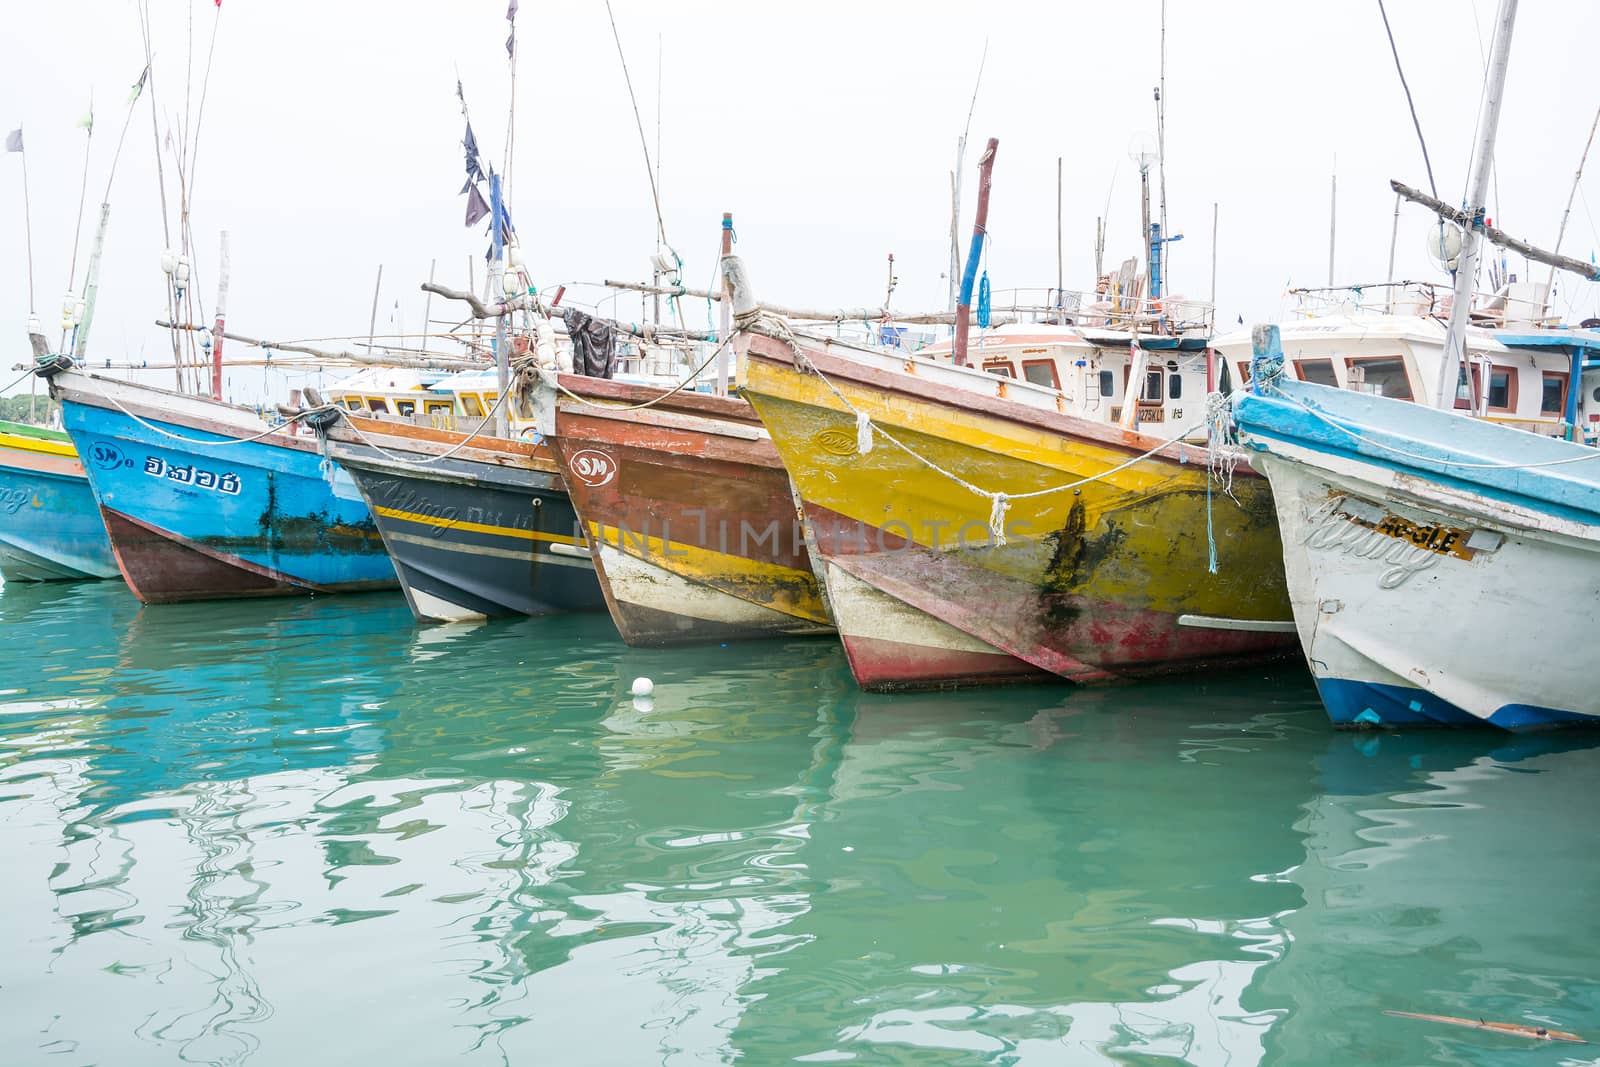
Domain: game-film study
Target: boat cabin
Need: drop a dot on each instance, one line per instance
(1519, 372)
(1091, 370)
(392, 392)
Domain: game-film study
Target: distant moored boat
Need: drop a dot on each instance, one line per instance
(50, 528)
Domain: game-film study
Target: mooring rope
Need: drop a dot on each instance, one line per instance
(999, 502)
(552, 379)
(226, 442)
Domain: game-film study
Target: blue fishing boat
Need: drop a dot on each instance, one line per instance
(1442, 569)
(205, 500)
(50, 528)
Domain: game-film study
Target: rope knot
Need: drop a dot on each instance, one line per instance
(999, 505)
(863, 432)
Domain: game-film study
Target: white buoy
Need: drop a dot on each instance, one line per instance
(643, 687)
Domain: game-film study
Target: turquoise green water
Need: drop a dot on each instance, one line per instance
(306, 832)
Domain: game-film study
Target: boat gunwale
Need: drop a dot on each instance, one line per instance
(898, 382)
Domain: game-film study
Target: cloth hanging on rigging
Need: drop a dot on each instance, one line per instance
(594, 344)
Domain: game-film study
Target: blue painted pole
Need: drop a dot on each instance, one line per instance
(501, 363)
(1155, 261)
(970, 274)
(1574, 391)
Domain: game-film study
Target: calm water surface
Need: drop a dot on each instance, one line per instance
(307, 832)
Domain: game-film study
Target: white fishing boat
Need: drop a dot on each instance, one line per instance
(1441, 569)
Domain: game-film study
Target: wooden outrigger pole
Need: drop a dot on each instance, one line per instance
(1587, 271)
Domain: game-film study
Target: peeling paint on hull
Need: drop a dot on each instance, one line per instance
(690, 508)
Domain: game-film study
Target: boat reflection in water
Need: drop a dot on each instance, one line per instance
(511, 859)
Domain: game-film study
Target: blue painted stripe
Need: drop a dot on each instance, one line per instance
(1356, 703)
(1436, 442)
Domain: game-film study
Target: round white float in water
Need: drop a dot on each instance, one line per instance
(643, 687)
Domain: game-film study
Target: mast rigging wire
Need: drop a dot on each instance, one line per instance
(644, 143)
(1395, 50)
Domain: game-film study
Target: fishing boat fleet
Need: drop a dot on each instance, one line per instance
(1094, 487)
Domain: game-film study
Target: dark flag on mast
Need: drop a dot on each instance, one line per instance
(511, 41)
(476, 208)
(474, 168)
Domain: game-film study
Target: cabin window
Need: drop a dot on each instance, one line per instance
(1382, 376)
(352, 403)
(378, 405)
(469, 403)
(1004, 370)
(1554, 398)
(1502, 389)
(1463, 394)
(1150, 391)
(1316, 371)
(436, 407)
(1174, 386)
(406, 407)
(1040, 372)
(1108, 385)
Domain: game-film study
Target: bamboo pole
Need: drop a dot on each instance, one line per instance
(1333, 221)
(1214, 213)
(91, 281)
(523, 302)
(388, 359)
(217, 332)
(1394, 237)
(1060, 272)
(1477, 197)
(1550, 282)
(1587, 271)
(727, 304)
(869, 314)
(372, 323)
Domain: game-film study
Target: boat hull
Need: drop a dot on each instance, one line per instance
(50, 528)
(487, 531)
(1425, 600)
(193, 516)
(1093, 585)
(691, 515)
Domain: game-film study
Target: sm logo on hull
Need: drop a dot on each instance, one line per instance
(593, 468)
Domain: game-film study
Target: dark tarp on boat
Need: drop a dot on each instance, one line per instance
(594, 344)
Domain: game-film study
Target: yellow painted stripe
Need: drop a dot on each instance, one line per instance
(35, 444)
(739, 576)
(474, 527)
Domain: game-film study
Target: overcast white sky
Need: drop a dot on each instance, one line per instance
(330, 144)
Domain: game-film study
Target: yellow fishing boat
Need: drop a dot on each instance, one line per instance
(969, 530)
